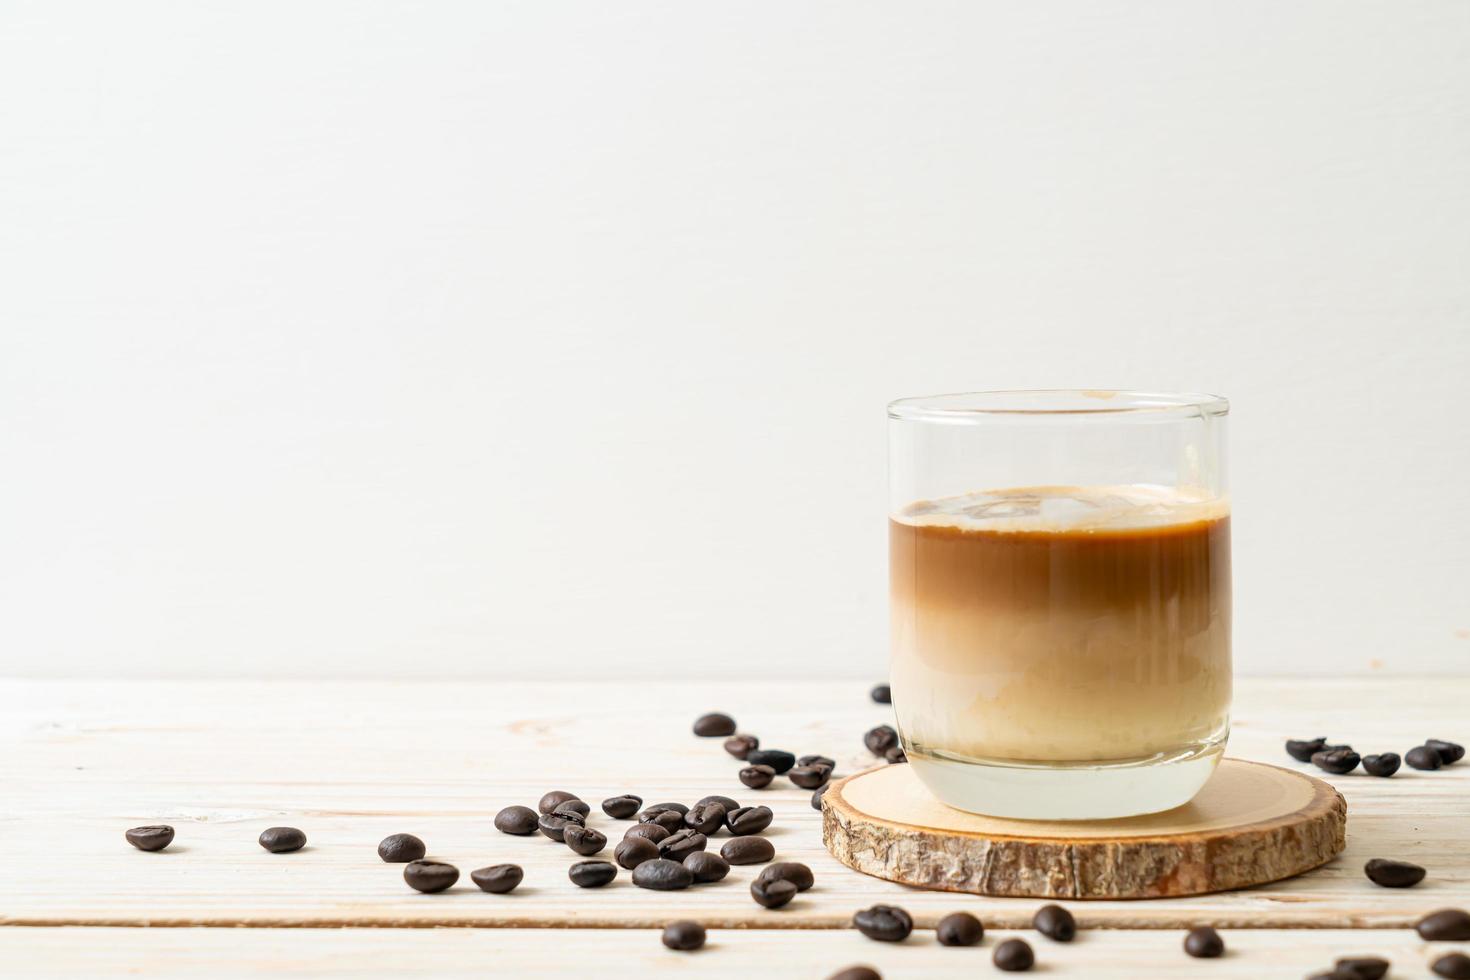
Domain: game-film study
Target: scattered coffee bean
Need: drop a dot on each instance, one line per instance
(746, 820)
(154, 837)
(679, 845)
(1055, 922)
(1302, 750)
(741, 745)
(633, 851)
(959, 929)
(775, 758)
(816, 760)
(653, 808)
(1455, 966)
(1423, 757)
(651, 832)
(772, 893)
(401, 848)
(1449, 752)
(1338, 762)
(895, 755)
(282, 840)
(430, 876)
(592, 874)
(670, 820)
(1204, 943)
(707, 818)
(1382, 765)
(583, 840)
(883, 694)
(621, 807)
(518, 820)
(662, 875)
(817, 797)
(714, 725)
(554, 799)
(1014, 956)
(810, 777)
(879, 740)
(573, 808)
(857, 973)
(793, 871)
(748, 850)
(885, 923)
(1451, 924)
(683, 935)
(757, 777)
(706, 866)
(498, 878)
(1393, 874)
(554, 825)
(1360, 968)
(723, 801)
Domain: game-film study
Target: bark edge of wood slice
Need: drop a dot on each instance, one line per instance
(1252, 823)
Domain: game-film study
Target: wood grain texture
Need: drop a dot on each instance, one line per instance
(1251, 824)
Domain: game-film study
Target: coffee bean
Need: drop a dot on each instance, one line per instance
(1393, 874)
(707, 818)
(1449, 752)
(518, 820)
(1204, 943)
(282, 840)
(895, 755)
(1451, 924)
(748, 850)
(1360, 968)
(885, 923)
(817, 797)
(679, 845)
(651, 832)
(400, 848)
(1338, 762)
(1382, 765)
(554, 799)
(154, 837)
(1423, 757)
(857, 973)
(810, 777)
(1055, 922)
(662, 875)
(773, 893)
(1302, 750)
(880, 739)
(583, 840)
(683, 935)
(723, 801)
(498, 878)
(430, 876)
(592, 874)
(714, 725)
(757, 777)
(633, 851)
(746, 820)
(882, 694)
(741, 745)
(1013, 956)
(653, 808)
(670, 820)
(553, 825)
(706, 866)
(816, 760)
(1455, 966)
(793, 871)
(959, 929)
(573, 808)
(621, 807)
(775, 758)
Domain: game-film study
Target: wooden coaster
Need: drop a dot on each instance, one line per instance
(1252, 823)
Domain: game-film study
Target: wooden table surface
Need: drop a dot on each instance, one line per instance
(349, 763)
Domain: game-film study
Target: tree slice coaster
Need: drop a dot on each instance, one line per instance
(1252, 823)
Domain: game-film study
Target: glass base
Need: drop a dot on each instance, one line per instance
(1093, 791)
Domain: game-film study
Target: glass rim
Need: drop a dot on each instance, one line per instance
(977, 405)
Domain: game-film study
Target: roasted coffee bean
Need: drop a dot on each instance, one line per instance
(154, 837)
(895, 755)
(653, 808)
(592, 874)
(651, 832)
(885, 923)
(498, 878)
(817, 797)
(1055, 922)
(773, 893)
(1423, 757)
(573, 808)
(633, 851)
(1455, 966)
(1393, 874)
(706, 818)
(748, 850)
(714, 725)
(1449, 752)
(959, 929)
(282, 840)
(670, 820)
(1338, 762)
(401, 848)
(1451, 924)
(741, 745)
(1013, 956)
(683, 935)
(555, 799)
(793, 871)
(723, 801)
(430, 876)
(757, 777)
(679, 845)
(621, 807)
(662, 875)
(816, 760)
(583, 840)
(879, 740)
(883, 694)
(519, 820)
(1360, 968)
(775, 758)
(1204, 943)
(1303, 750)
(1382, 765)
(746, 820)
(857, 973)
(554, 825)
(706, 866)
(810, 777)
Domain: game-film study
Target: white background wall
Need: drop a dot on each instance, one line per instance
(548, 337)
